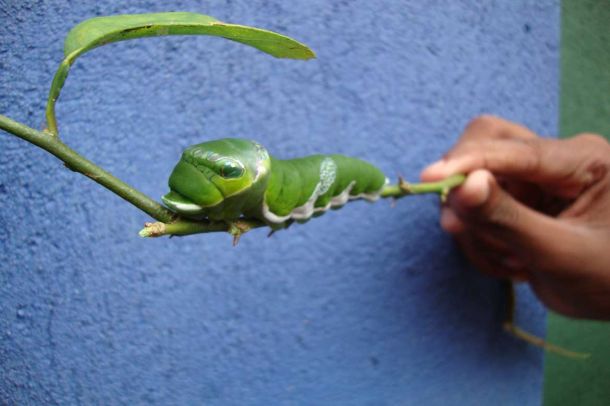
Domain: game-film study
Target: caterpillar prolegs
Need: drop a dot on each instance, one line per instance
(225, 179)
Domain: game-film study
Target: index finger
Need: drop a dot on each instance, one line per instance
(482, 129)
(492, 127)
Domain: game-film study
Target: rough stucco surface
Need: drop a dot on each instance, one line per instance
(368, 305)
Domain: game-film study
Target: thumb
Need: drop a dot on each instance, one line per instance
(540, 241)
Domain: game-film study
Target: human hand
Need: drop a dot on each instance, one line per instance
(535, 210)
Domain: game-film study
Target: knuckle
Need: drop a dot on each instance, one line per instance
(464, 147)
(596, 161)
(594, 140)
(597, 171)
(532, 158)
(485, 124)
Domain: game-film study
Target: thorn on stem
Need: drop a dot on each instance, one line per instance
(404, 185)
(236, 239)
(444, 194)
(236, 229)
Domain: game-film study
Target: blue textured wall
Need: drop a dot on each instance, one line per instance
(368, 305)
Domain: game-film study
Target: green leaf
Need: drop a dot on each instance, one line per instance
(100, 31)
(104, 30)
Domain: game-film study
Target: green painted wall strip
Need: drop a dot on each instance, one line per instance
(585, 67)
(585, 107)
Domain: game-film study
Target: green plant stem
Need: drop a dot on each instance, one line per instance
(77, 163)
(511, 328)
(441, 187)
(56, 85)
(169, 223)
(184, 227)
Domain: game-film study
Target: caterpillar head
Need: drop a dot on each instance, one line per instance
(210, 172)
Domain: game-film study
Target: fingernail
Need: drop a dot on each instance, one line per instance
(449, 221)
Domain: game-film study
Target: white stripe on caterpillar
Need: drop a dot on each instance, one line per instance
(328, 174)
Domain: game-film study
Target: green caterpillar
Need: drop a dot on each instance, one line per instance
(226, 179)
